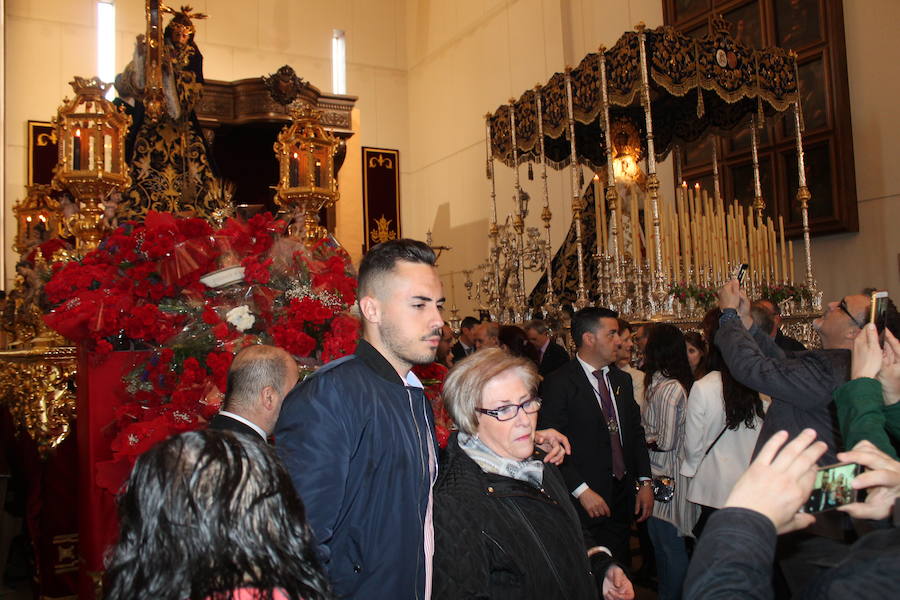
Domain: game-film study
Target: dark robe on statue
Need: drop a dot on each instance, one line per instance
(170, 164)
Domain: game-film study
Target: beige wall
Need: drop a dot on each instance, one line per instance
(845, 263)
(426, 72)
(49, 41)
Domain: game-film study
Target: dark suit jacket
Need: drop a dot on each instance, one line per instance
(554, 357)
(226, 423)
(458, 351)
(571, 406)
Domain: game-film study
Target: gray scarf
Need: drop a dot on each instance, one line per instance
(530, 470)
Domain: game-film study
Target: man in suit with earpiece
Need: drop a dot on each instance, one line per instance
(592, 402)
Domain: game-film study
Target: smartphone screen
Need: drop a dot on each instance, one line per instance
(832, 488)
(739, 272)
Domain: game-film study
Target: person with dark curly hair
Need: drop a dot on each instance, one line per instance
(212, 515)
(667, 382)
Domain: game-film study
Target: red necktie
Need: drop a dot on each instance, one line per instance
(612, 423)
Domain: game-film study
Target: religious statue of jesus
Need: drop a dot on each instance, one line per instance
(171, 165)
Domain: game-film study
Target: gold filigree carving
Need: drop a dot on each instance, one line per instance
(40, 393)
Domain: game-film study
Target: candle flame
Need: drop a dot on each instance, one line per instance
(296, 155)
(78, 132)
(28, 219)
(42, 218)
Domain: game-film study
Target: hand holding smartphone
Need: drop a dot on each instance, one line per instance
(740, 271)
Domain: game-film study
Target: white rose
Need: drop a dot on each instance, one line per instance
(240, 317)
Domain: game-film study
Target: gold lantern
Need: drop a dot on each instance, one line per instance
(91, 133)
(36, 218)
(307, 184)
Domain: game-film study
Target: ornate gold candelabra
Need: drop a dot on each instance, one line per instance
(91, 133)
(305, 152)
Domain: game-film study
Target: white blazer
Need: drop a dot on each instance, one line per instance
(715, 474)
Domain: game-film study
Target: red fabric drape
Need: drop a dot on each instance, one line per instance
(100, 390)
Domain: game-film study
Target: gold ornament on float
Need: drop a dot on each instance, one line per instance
(91, 133)
(305, 153)
(40, 393)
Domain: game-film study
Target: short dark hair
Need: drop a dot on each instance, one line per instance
(254, 368)
(764, 319)
(539, 325)
(381, 259)
(219, 510)
(587, 320)
(624, 326)
(469, 323)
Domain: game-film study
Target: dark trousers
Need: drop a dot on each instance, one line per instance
(613, 531)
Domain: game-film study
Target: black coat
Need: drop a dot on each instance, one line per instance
(458, 351)
(571, 406)
(554, 357)
(226, 423)
(497, 537)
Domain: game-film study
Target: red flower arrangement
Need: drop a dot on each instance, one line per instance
(144, 288)
(432, 377)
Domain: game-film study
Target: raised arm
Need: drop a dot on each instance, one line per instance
(802, 380)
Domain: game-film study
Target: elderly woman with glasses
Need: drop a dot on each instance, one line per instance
(504, 524)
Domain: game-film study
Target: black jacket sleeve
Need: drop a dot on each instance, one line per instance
(803, 380)
(733, 558)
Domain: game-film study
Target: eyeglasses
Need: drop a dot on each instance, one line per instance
(843, 306)
(509, 411)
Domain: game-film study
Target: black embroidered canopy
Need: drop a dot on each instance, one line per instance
(697, 86)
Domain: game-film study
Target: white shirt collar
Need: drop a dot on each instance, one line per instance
(241, 419)
(588, 369)
(413, 381)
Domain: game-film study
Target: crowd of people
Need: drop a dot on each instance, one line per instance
(704, 445)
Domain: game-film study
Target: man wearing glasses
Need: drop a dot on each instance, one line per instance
(592, 402)
(800, 386)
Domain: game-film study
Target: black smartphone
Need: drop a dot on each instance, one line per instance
(740, 271)
(833, 488)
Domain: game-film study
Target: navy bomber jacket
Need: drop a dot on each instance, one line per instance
(354, 437)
